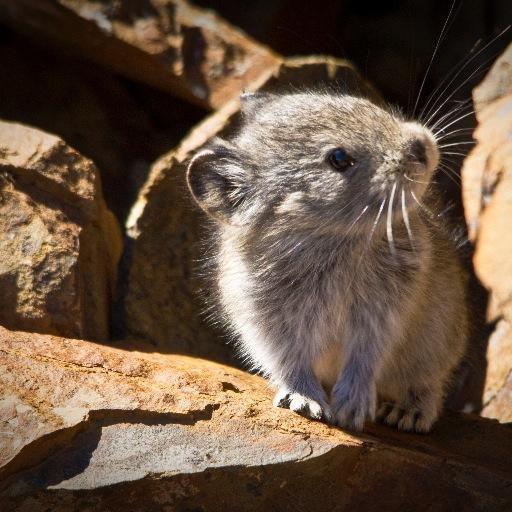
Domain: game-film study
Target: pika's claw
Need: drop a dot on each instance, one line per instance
(303, 405)
(353, 409)
(410, 419)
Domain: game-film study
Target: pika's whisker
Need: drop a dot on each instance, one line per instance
(367, 245)
(450, 134)
(478, 71)
(358, 217)
(438, 126)
(451, 174)
(434, 53)
(464, 143)
(429, 213)
(471, 112)
(460, 70)
(416, 181)
(447, 101)
(446, 167)
(452, 153)
(407, 223)
(376, 221)
(389, 221)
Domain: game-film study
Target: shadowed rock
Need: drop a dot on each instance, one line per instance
(169, 44)
(59, 245)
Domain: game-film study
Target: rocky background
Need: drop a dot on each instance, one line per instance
(115, 391)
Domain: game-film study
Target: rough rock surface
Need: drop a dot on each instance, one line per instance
(169, 44)
(497, 399)
(59, 245)
(160, 300)
(89, 427)
(487, 195)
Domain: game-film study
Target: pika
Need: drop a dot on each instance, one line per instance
(337, 284)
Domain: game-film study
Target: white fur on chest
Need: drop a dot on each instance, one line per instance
(313, 316)
(309, 326)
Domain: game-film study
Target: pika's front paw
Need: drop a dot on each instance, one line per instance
(303, 405)
(409, 419)
(351, 410)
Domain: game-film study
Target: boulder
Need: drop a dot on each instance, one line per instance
(487, 196)
(168, 44)
(160, 299)
(59, 245)
(90, 427)
(497, 399)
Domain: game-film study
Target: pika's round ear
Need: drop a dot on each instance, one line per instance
(216, 183)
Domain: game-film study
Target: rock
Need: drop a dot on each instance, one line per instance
(497, 399)
(160, 298)
(160, 301)
(168, 44)
(487, 195)
(90, 427)
(59, 245)
(497, 83)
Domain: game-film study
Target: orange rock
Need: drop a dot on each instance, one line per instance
(497, 399)
(59, 245)
(169, 44)
(487, 196)
(90, 427)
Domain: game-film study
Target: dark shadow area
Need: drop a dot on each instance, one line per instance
(68, 454)
(390, 42)
(397, 472)
(121, 125)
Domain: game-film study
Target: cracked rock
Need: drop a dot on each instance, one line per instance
(487, 195)
(59, 245)
(90, 427)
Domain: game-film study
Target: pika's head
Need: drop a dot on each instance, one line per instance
(313, 161)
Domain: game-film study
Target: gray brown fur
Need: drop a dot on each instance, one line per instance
(351, 315)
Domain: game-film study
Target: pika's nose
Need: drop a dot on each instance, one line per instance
(421, 146)
(418, 152)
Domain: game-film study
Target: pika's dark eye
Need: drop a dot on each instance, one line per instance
(340, 159)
